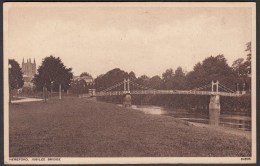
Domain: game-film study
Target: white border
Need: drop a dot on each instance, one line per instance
(129, 160)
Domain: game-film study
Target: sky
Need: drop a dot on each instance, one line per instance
(146, 40)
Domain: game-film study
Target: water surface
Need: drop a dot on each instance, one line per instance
(241, 122)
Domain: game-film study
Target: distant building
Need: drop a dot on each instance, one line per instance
(87, 79)
(29, 70)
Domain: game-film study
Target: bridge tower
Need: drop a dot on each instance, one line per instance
(127, 94)
(214, 105)
(92, 94)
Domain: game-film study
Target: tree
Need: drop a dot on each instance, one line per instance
(109, 79)
(85, 74)
(52, 73)
(239, 67)
(15, 75)
(179, 79)
(242, 69)
(79, 86)
(179, 72)
(247, 65)
(167, 78)
(167, 75)
(248, 59)
(212, 68)
(143, 80)
(155, 82)
(131, 75)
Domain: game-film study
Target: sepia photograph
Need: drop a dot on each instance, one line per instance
(129, 83)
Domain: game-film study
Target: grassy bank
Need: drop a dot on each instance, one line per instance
(76, 127)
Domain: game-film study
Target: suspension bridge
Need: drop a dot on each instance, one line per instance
(216, 89)
(127, 87)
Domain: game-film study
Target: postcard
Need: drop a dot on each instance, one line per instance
(129, 83)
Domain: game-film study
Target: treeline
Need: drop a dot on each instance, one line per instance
(52, 74)
(235, 77)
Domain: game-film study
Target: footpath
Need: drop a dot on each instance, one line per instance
(22, 100)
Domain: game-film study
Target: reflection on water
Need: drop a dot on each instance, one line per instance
(234, 121)
(151, 110)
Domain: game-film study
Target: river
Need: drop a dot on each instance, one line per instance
(241, 122)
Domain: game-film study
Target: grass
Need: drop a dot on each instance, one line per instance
(77, 127)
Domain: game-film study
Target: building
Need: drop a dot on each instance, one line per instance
(87, 79)
(29, 70)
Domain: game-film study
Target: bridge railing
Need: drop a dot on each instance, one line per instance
(154, 92)
(110, 93)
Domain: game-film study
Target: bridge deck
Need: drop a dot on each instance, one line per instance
(165, 92)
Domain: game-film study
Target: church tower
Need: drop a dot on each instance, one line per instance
(28, 69)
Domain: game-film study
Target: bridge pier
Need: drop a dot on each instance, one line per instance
(127, 100)
(92, 92)
(127, 96)
(214, 110)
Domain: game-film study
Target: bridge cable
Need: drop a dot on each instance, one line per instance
(202, 87)
(140, 86)
(112, 87)
(225, 88)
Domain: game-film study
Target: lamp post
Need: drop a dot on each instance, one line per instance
(60, 91)
(51, 87)
(9, 67)
(44, 91)
(68, 89)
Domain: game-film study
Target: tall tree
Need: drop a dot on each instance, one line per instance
(179, 79)
(238, 67)
(248, 59)
(212, 68)
(174, 80)
(15, 75)
(247, 64)
(51, 73)
(167, 78)
(131, 75)
(112, 77)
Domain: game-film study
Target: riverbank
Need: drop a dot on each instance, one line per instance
(77, 127)
(226, 130)
(227, 121)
